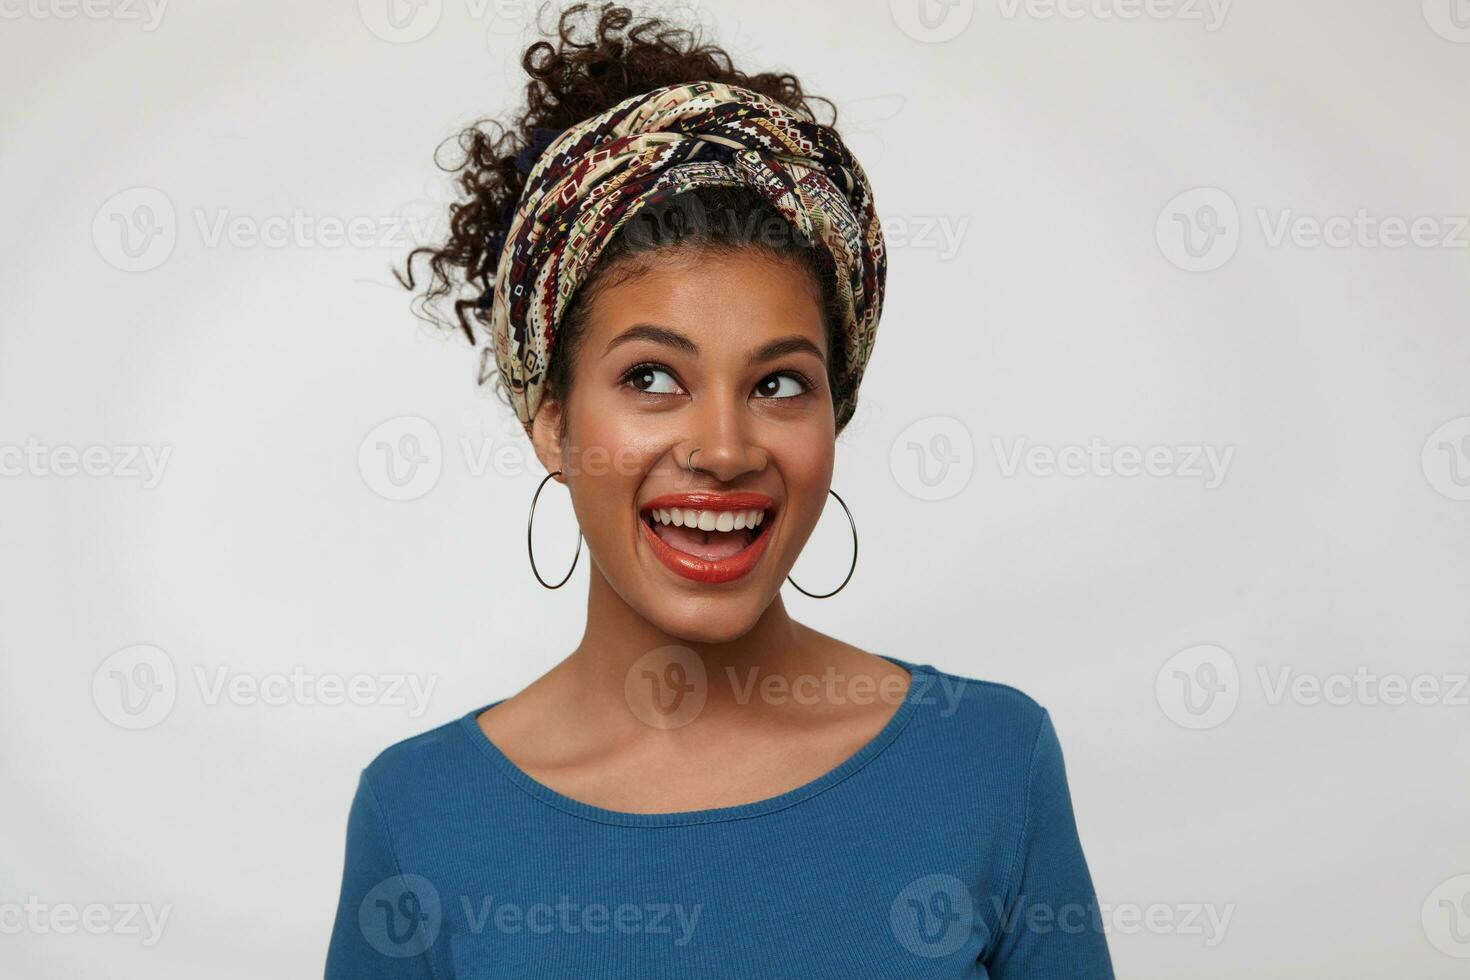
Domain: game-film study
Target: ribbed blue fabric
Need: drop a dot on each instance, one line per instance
(945, 848)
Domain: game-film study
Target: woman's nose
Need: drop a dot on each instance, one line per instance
(723, 441)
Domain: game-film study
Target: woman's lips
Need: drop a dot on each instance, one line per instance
(707, 556)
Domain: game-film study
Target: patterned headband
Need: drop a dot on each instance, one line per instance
(594, 176)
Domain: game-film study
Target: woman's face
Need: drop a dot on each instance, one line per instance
(723, 353)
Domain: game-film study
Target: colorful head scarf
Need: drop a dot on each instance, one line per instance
(597, 174)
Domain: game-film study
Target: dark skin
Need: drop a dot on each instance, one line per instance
(766, 426)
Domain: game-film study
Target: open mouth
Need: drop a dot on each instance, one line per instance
(708, 537)
(708, 534)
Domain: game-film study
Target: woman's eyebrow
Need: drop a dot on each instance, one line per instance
(657, 334)
(667, 337)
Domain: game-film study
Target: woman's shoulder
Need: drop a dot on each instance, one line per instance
(977, 716)
(415, 766)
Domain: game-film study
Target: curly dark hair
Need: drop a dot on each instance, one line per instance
(598, 57)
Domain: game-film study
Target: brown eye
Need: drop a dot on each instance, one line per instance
(771, 386)
(646, 378)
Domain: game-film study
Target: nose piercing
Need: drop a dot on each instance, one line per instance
(690, 465)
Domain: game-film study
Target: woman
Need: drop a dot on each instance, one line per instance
(688, 272)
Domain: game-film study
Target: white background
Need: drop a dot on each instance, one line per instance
(1052, 145)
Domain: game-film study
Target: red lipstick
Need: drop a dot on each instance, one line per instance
(705, 570)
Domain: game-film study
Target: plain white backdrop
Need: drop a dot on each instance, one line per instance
(1168, 424)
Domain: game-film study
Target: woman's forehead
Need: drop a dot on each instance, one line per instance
(721, 300)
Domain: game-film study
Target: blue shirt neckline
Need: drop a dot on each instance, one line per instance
(919, 682)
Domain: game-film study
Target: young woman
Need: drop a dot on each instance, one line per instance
(680, 273)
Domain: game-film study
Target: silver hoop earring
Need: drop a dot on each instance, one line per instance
(531, 520)
(850, 568)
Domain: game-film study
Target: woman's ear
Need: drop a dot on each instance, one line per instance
(546, 436)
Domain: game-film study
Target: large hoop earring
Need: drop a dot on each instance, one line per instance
(850, 568)
(531, 520)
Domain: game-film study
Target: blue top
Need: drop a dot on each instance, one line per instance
(946, 847)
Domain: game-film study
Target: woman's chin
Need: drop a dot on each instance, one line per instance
(707, 622)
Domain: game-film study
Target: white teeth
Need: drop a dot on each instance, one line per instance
(709, 520)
